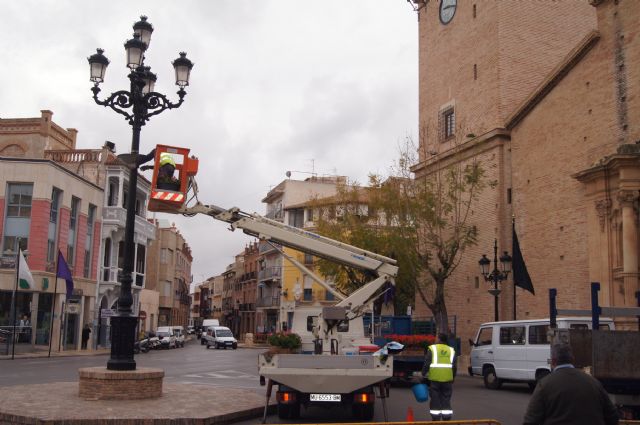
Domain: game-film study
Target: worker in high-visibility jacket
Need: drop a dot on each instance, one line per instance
(167, 166)
(440, 369)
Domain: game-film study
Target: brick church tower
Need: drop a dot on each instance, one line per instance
(508, 83)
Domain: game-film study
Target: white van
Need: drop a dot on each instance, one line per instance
(178, 332)
(167, 337)
(518, 350)
(219, 337)
(205, 324)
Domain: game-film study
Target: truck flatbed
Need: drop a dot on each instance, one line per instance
(309, 373)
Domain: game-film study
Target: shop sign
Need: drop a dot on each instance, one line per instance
(73, 308)
(107, 312)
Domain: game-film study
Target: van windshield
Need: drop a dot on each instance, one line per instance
(224, 332)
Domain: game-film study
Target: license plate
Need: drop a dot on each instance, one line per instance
(324, 397)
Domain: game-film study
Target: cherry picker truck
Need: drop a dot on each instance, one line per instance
(334, 371)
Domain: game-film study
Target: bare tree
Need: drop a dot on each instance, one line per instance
(423, 223)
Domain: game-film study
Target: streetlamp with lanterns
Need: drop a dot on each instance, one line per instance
(495, 275)
(137, 105)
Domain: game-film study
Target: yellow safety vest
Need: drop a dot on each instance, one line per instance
(441, 367)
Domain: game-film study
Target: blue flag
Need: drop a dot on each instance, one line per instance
(65, 273)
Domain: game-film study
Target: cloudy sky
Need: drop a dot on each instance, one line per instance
(328, 87)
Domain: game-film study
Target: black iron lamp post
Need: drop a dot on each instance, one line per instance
(495, 275)
(137, 105)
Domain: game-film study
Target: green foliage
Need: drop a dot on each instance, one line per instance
(422, 223)
(285, 340)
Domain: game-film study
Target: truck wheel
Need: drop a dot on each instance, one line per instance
(491, 381)
(289, 411)
(363, 412)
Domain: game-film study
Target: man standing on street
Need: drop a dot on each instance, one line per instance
(440, 369)
(569, 396)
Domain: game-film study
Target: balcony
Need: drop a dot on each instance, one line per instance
(270, 273)
(248, 277)
(276, 215)
(270, 301)
(118, 216)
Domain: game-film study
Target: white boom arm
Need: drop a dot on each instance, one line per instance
(274, 231)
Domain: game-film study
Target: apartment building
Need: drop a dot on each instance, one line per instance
(47, 209)
(169, 273)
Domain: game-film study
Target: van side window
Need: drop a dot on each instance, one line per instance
(311, 322)
(484, 337)
(512, 335)
(538, 334)
(578, 326)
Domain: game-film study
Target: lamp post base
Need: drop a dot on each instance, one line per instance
(98, 383)
(123, 335)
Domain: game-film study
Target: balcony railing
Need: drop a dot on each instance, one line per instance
(77, 156)
(270, 273)
(272, 301)
(118, 216)
(276, 215)
(248, 276)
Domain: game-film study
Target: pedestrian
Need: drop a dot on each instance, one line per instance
(24, 333)
(440, 369)
(86, 331)
(569, 396)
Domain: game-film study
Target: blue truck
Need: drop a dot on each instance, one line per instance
(408, 362)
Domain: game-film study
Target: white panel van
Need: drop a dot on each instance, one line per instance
(518, 350)
(205, 324)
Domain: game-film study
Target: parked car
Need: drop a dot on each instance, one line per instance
(518, 350)
(191, 330)
(166, 336)
(220, 337)
(178, 332)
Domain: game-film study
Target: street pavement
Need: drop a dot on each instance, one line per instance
(237, 369)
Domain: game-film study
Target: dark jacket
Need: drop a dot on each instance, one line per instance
(569, 396)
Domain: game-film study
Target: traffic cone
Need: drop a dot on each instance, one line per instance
(410, 417)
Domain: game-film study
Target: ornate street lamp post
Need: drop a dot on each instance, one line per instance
(495, 275)
(137, 105)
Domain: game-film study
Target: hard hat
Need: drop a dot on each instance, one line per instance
(166, 158)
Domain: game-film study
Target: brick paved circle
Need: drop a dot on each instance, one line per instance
(59, 403)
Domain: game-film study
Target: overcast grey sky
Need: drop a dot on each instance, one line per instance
(329, 86)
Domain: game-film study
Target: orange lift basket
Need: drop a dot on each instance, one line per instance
(172, 169)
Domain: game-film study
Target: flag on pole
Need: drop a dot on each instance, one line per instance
(25, 279)
(520, 273)
(65, 273)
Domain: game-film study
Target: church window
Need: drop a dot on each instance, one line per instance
(474, 10)
(449, 123)
(475, 71)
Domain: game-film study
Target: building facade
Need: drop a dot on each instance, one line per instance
(169, 273)
(46, 209)
(545, 105)
(281, 286)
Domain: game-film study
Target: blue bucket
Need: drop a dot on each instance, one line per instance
(420, 392)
